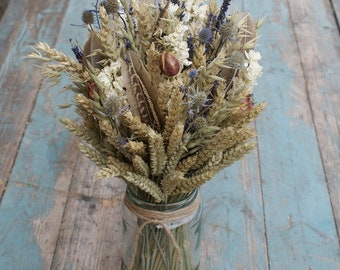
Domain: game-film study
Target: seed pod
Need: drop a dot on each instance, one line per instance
(228, 31)
(247, 104)
(92, 90)
(111, 6)
(87, 17)
(169, 64)
(205, 36)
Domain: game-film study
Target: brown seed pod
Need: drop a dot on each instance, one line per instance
(87, 17)
(92, 90)
(169, 64)
(111, 6)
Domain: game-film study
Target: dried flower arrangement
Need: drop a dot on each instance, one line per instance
(164, 91)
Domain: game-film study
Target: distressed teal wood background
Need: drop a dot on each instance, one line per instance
(278, 208)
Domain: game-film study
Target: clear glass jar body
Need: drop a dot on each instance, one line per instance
(170, 244)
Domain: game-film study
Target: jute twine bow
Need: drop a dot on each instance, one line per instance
(161, 218)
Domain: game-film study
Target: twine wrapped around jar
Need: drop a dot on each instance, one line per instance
(162, 218)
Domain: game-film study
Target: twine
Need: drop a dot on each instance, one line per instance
(161, 218)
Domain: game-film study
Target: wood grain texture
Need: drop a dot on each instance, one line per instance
(91, 232)
(38, 188)
(30, 221)
(22, 25)
(233, 220)
(320, 61)
(298, 214)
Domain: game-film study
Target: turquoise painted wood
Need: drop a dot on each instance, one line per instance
(276, 209)
(298, 213)
(21, 26)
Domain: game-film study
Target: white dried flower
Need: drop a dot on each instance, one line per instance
(254, 69)
(110, 78)
(172, 9)
(196, 11)
(179, 47)
(105, 77)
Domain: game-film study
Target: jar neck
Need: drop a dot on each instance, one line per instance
(186, 200)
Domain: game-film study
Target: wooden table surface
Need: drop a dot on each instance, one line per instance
(278, 208)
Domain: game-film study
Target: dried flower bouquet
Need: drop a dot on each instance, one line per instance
(164, 91)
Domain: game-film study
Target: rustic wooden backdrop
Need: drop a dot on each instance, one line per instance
(278, 208)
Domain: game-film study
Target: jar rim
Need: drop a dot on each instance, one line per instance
(169, 207)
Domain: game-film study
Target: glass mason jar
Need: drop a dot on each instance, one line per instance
(161, 236)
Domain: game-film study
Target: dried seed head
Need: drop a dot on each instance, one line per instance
(92, 90)
(198, 123)
(193, 74)
(197, 100)
(111, 6)
(112, 106)
(236, 60)
(87, 17)
(200, 97)
(205, 36)
(228, 31)
(247, 103)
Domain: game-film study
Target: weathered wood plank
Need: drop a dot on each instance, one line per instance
(22, 25)
(46, 155)
(320, 61)
(38, 186)
(233, 221)
(29, 226)
(300, 229)
(91, 232)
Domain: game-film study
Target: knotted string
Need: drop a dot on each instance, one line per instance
(159, 218)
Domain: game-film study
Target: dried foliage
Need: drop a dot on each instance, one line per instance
(165, 92)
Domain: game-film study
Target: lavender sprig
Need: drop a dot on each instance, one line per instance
(223, 11)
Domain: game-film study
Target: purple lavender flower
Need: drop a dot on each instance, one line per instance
(175, 2)
(77, 52)
(190, 43)
(211, 21)
(221, 15)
